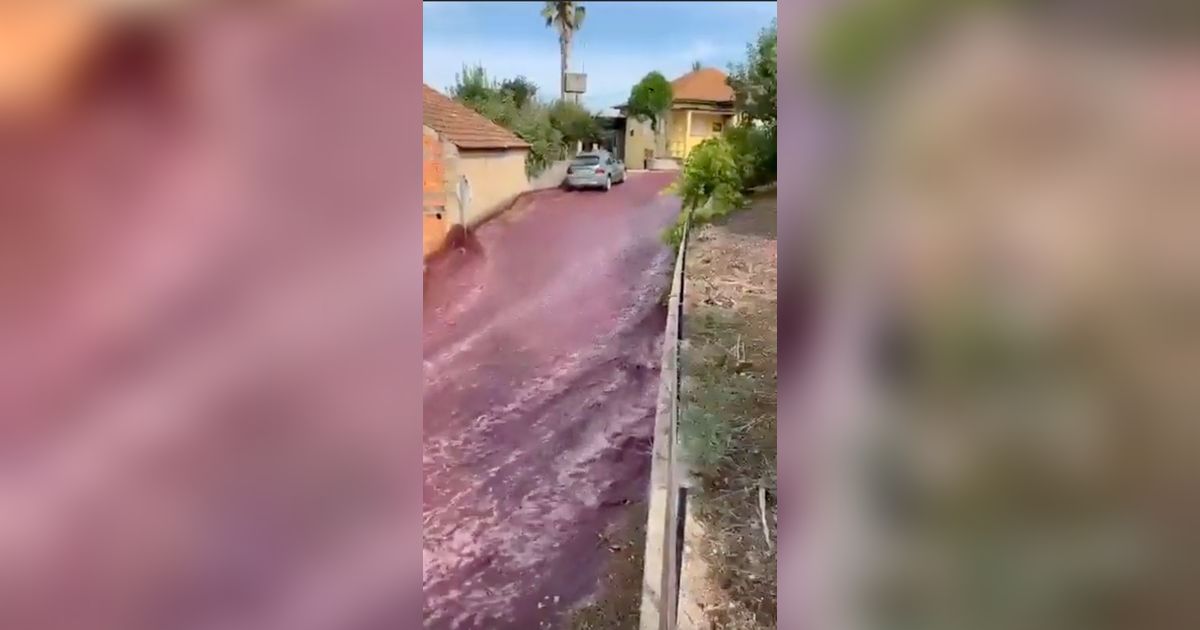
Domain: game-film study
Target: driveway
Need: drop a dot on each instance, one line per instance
(541, 353)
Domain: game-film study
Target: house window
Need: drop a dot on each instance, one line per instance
(716, 127)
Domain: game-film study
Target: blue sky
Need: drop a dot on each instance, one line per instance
(619, 42)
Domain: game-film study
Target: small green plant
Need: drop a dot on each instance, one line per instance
(710, 186)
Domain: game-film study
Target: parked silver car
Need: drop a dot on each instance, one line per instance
(594, 169)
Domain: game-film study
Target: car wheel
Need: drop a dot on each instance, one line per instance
(607, 183)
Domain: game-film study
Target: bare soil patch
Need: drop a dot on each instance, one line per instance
(729, 416)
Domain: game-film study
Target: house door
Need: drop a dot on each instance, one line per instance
(649, 157)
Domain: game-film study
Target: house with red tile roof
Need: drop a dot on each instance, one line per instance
(472, 167)
(703, 106)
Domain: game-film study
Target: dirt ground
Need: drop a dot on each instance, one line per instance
(728, 422)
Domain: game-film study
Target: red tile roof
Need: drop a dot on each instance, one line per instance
(462, 125)
(705, 84)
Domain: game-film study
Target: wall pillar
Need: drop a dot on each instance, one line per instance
(687, 134)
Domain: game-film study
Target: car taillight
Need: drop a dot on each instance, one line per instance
(599, 171)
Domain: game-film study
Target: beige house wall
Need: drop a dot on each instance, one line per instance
(702, 127)
(496, 177)
(679, 141)
(639, 138)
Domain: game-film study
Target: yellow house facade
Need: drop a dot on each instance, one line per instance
(689, 124)
(702, 108)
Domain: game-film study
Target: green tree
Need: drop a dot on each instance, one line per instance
(475, 90)
(472, 86)
(512, 105)
(533, 125)
(575, 123)
(710, 185)
(521, 90)
(650, 100)
(566, 18)
(755, 88)
(755, 81)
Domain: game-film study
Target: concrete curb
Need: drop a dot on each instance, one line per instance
(665, 164)
(660, 574)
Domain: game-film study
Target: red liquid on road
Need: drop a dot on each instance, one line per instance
(541, 375)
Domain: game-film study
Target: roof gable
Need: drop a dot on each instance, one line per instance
(463, 126)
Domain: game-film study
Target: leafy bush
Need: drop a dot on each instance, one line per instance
(755, 151)
(534, 126)
(512, 104)
(472, 87)
(575, 123)
(710, 185)
(521, 90)
(712, 172)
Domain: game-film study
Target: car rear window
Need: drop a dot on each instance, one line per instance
(586, 160)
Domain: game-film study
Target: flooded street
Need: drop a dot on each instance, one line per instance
(541, 348)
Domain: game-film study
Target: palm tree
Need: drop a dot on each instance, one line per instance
(566, 18)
